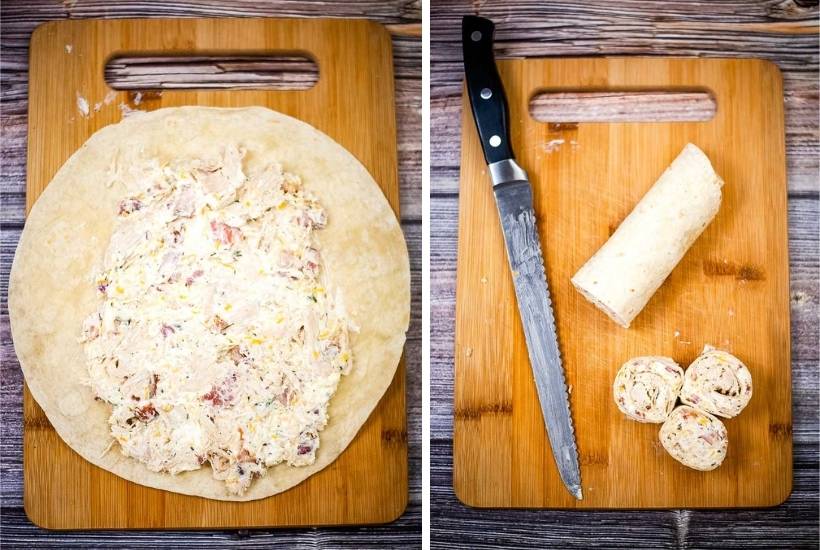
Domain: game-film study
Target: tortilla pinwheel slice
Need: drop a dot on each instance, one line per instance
(694, 438)
(717, 382)
(646, 388)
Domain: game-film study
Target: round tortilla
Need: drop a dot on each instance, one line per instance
(52, 289)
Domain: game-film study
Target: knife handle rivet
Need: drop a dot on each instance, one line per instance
(475, 36)
(495, 141)
(486, 93)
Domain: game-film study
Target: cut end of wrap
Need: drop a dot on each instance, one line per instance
(611, 313)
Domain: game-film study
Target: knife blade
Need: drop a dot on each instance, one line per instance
(513, 196)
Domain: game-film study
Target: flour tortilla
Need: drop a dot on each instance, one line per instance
(627, 270)
(52, 289)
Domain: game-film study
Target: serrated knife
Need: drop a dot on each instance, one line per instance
(513, 196)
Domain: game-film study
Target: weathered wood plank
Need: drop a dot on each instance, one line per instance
(284, 72)
(403, 533)
(29, 13)
(619, 106)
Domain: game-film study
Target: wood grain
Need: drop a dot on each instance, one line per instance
(623, 27)
(343, 493)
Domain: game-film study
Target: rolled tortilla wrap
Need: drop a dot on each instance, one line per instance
(624, 274)
(717, 382)
(694, 438)
(646, 388)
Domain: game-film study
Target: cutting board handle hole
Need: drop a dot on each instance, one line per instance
(212, 72)
(567, 106)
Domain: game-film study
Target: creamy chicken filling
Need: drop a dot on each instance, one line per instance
(216, 340)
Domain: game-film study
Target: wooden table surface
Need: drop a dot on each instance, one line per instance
(782, 31)
(19, 18)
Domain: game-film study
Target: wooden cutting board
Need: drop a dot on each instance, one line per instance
(352, 102)
(730, 290)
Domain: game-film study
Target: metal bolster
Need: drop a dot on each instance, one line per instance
(505, 171)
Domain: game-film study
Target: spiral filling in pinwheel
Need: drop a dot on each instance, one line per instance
(694, 438)
(646, 388)
(717, 382)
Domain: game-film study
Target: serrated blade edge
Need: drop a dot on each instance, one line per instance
(514, 201)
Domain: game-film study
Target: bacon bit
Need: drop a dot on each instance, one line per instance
(127, 206)
(235, 354)
(214, 397)
(152, 387)
(245, 456)
(103, 285)
(671, 369)
(147, 413)
(219, 396)
(219, 323)
(201, 459)
(283, 397)
(194, 276)
(708, 438)
(304, 449)
(225, 233)
(304, 220)
(135, 398)
(177, 236)
(694, 399)
(167, 330)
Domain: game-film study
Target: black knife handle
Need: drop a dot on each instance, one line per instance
(484, 88)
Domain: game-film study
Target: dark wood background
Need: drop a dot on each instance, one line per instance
(783, 31)
(18, 19)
